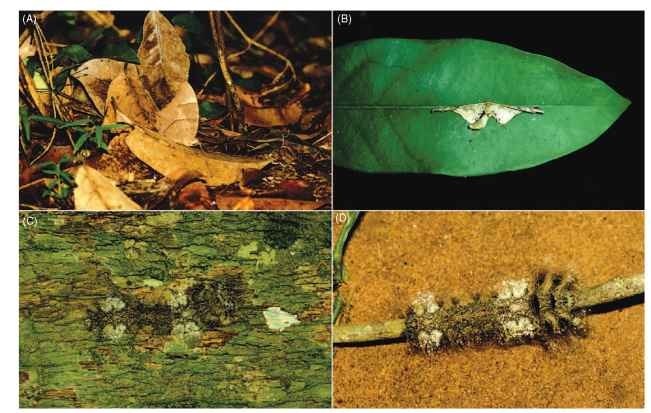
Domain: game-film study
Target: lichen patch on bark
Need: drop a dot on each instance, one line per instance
(279, 320)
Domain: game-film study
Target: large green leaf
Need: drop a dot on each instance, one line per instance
(385, 89)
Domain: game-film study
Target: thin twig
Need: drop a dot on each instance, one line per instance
(338, 251)
(232, 99)
(288, 64)
(270, 22)
(614, 290)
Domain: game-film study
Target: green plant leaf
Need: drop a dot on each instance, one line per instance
(73, 54)
(120, 50)
(195, 34)
(79, 143)
(33, 65)
(385, 90)
(189, 22)
(211, 110)
(25, 122)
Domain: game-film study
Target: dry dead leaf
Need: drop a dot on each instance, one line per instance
(95, 192)
(119, 164)
(167, 157)
(101, 18)
(95, 76)
(273, 116)
(230, 202)
(317, 70)
(179, 120)
(165, 63)
(27, 48)
(244, 204)
(128, 101)
(257, 114)
(193, 196)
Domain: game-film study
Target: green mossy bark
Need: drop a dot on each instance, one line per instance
(73, 264)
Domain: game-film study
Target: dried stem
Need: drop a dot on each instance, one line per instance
(614, 290)
(233, 103)
(253, 42)
(272, 20)
(338, 251)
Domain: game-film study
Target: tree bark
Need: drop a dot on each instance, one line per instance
(172, 309)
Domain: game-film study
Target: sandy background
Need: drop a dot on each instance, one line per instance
(393, 256)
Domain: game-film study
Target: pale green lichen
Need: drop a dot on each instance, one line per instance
(112, 304)
(134, 249)
(167, 219)
(424, 303)
(262, 258)
(517, 329)
(248, 251)
(185, 336)
(152, 282)
(188, 331)
(114, 333)
(430, 341)
(266, 258)
(178, 299)
(513, 289)
(279, 320)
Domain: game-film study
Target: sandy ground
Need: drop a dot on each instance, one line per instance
(393, 256)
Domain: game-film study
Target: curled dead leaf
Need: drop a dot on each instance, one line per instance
(179, 120)
(195, 195)
(257, 114)
(128, 101)
(244, 204)
(95, 76)
(163, 58)
(166, 157)
(118, 163)
(273, 116)
(95, 192)
(231, 202)
(316, 70)
(296, 189)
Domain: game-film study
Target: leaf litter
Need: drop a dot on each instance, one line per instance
(140, 107)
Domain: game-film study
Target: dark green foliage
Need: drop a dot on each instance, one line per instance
(211, 110)
(60, 183)
(72, 55)
(120, 50)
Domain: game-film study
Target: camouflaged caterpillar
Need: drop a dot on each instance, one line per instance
(205, 305)
(520, 312)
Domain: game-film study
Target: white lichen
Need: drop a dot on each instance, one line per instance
(522, 327)
(424, 302)
(178, 299)
(114, 333)
(279, 320)
(112, 304)
(477, 114)
(187, 333)
(430, 341)
(187, 328)
(513, 289)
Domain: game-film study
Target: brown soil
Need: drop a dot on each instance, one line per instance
(393, 256)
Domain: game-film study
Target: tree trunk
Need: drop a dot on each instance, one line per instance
(175, 309)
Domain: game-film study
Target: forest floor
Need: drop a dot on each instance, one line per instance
(178, 110)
